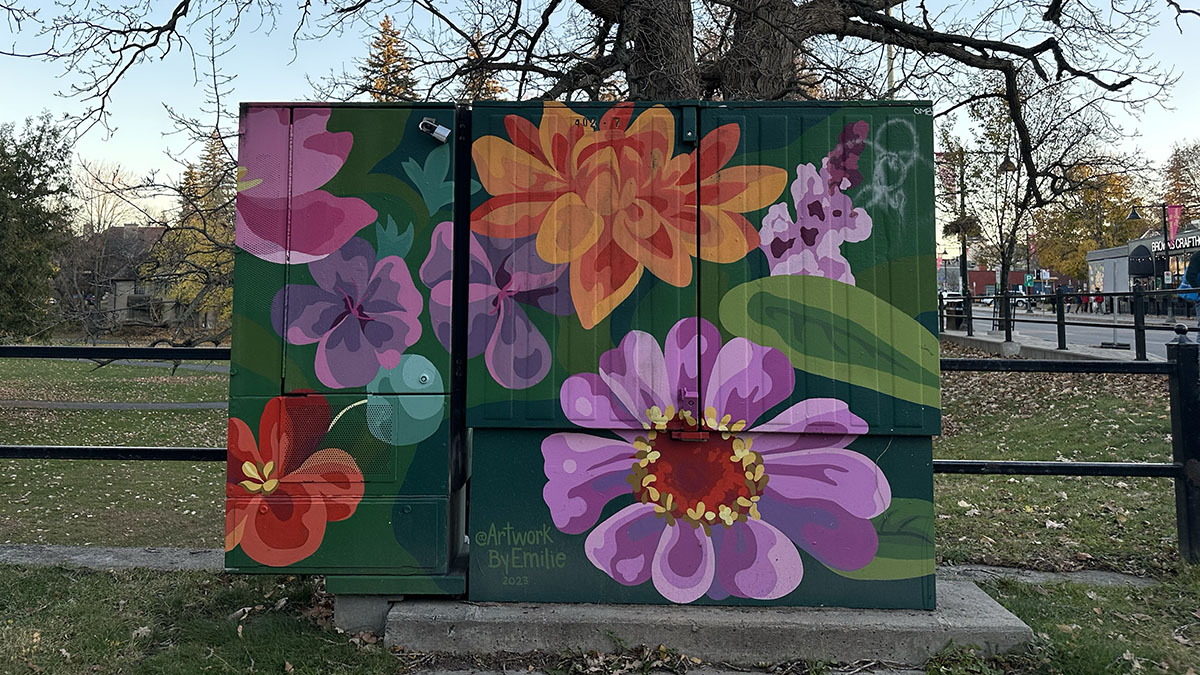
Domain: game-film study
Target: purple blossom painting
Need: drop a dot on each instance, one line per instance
(726, 516)
(362, 314)
(811, 243)
(315, 223)
(505, 276)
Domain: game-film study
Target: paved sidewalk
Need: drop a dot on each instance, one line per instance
(1035, 348)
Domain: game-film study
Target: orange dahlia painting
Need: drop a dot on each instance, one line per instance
(612, 199)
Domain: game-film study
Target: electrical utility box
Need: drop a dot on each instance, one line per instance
(638, 352)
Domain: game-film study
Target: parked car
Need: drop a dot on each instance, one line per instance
(1018, 299)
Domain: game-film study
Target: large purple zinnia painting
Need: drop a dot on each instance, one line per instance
(722, 517)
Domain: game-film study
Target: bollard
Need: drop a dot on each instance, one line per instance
(967, 310)
(1139, 323)
(941, 313)
(1060, 318)
(1185, 439)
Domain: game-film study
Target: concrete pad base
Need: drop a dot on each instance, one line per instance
(743, 636)
(358, 613)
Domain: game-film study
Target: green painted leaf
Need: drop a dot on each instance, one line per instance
(430, 179)
(839, 331)
(390, 240)
(905, 542)
(891, 569)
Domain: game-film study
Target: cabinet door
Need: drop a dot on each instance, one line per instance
(581, 263)
(368, 190)
(834, 309)
(256, 363)
(338, 483)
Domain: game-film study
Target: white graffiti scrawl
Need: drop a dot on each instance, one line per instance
(894, 153)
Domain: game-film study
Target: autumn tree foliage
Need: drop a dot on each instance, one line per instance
(1181, 179)
(1089, 218)
(194, 259)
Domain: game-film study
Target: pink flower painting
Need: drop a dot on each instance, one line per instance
(505, 277)
(319, 221)
(720, 508)
(811, 243)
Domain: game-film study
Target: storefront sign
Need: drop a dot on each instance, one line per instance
(1190, 241)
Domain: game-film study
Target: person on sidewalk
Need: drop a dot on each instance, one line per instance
(1191, 279)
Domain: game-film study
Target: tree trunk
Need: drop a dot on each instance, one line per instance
(662, 61)
(761, 61)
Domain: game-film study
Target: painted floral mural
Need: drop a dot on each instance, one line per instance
(722, 516)
(613, 200)
(362, 314)
(811, 242)
(733, 402)
(282, 489)
(504, 276)
(319, 222)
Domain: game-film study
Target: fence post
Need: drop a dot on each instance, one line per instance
(1185, 439)
(1006, 316)
(1060, 317)
(967, 311)
(1139, 323)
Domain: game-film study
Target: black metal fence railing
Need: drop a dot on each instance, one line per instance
(1182, 369)
(957, 313)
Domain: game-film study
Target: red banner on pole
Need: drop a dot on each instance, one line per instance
(1173, 215)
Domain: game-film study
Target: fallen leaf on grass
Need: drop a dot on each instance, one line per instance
(239, 631)
(1055, 525)
(288, 667)
(141, 632)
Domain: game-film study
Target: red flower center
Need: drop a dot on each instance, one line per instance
(702, 482)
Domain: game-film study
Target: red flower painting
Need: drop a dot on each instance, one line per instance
(281, 490)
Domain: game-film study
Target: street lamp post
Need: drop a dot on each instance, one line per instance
(1134, 215)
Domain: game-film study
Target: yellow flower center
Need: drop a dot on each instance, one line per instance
(258, 478)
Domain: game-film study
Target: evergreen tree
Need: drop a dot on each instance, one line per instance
(35, 189)
(386, 72)
(479, 84)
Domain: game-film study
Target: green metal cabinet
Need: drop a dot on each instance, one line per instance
(629, 352)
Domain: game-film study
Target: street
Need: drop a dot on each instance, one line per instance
(1087, 336)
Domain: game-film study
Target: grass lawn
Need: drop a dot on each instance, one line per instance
(155, 622)
(110, 503)
(57, 380)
